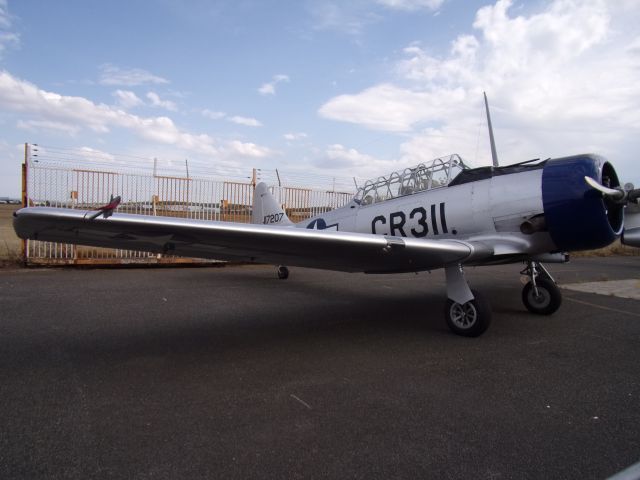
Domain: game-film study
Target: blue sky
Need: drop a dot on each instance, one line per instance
(354, 88)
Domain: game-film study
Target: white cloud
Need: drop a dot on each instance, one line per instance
(352, 18)
(561, 80)
(346, 17)
(267, 89)
(247, 149)
(156, 101)
(213, 115)
(339, 157)
(128, 77)
(246, 121)
(412, 5)
(270, 87)
(24, 97)
(348, 155)
(127, 99)
(5, 19)
(7, 37)
(40, 109)
(293, 136)
(390, 108)
(98, 154)
(37, 125)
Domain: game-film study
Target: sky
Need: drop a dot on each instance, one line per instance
(353, 88)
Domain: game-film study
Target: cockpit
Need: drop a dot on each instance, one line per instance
(425, 176)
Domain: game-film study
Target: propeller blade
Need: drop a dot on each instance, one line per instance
(609, 192)
(631, 237)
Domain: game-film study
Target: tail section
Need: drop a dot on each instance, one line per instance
(266, 209)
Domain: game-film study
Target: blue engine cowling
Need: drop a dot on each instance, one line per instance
(577, 216)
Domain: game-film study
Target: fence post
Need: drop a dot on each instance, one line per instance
(23, 243)
(25, 202)
(25, 198)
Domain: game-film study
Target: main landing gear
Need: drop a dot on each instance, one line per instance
(469, 319)
(468, 312)
(540, 295)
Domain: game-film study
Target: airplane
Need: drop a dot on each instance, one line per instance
(443, 214)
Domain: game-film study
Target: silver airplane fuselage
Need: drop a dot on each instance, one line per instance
(529, 210)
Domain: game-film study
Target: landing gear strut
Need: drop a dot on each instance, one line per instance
(540, 295)
(467, 312)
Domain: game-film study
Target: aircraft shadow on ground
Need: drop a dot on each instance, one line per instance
(331, 316)
(364, 318)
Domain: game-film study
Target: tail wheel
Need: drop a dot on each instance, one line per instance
(547, 300)
(283, 272)
(470, 319)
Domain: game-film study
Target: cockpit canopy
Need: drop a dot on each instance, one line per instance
(425, 176)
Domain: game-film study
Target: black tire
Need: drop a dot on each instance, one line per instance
(470, 319)
(283, 272)
(549, 297)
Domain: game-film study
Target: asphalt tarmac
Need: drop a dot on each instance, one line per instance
(189, 373)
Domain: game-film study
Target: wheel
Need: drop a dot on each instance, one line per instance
(283, 272)
(548, 299)
(470, 319)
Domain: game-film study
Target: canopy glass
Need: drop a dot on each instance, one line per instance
(425, 176)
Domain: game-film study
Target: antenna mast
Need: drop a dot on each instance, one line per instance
(494, 155)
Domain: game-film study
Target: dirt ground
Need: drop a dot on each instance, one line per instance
(10, 245)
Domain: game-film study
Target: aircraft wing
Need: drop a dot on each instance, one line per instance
(278, 245)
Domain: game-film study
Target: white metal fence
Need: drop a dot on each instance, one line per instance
(151, 194)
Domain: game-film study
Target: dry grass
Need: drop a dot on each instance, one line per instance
(10, 244)
(616, 248)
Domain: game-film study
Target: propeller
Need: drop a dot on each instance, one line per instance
(621, 197)
(618, 195)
